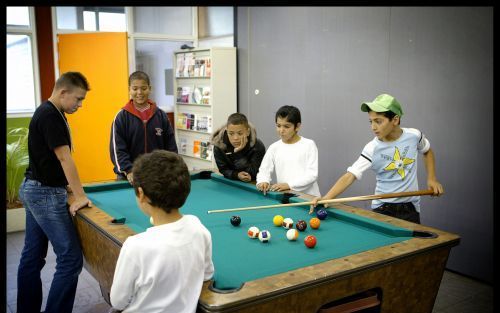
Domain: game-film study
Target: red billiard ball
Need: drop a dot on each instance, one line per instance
(301, 225)
(310, 241)
(235, 220)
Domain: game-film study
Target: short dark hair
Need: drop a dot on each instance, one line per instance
(237, 119)
(291, 113)
(164, 178)
(389, 114)
(71, 80)
(138, 75)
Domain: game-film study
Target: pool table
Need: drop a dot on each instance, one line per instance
(357, 250)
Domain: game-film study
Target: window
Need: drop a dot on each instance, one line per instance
(22, 70)
(174, 21)
(91, 18)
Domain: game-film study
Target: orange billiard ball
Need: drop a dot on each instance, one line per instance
(314, 222)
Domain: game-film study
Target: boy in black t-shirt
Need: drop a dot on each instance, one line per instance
(43, 192)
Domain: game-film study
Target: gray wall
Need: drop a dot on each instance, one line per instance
(438, 62)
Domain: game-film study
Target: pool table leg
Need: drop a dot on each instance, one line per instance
(100, 265)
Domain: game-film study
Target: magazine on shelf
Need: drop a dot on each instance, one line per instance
(203, 123)
(206, 150)
(181, 121)
(191, 66)
(202, 67)
(205, 98)
(187, 61)
(186, 94)
(178, 95)
(179, 72)
(197, 95)
(208, 67)
(196, 148)
(183, 145)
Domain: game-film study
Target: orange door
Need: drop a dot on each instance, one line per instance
(103, 59)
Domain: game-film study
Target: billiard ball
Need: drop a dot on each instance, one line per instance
(151, 220)
(314, 222)
(278, 220)
(235, 220)
(292, 234)
(287, 223)
(264, 236)
(310, 241)
(301, 225)
(321, 214)
(253, 232)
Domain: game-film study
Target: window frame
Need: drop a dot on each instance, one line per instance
(131, 35)
(29, 31)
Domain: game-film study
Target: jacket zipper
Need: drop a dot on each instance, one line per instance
(145, 137)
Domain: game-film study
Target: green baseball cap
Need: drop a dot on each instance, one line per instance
(383, 103)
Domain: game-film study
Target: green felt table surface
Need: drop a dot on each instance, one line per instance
(238, 258)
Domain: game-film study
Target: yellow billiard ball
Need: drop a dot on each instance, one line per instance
(278, 220)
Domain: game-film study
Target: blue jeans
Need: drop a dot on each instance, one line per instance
(47, 219)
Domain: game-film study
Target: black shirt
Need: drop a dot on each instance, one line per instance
(47, 131)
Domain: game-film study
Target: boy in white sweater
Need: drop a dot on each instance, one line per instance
(163, 268)
(293, 157)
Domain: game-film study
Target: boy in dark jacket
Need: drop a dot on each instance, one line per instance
(237, 150)
(139, 127)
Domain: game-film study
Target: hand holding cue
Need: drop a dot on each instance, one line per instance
(338, 200)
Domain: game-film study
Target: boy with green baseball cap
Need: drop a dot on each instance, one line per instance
(383, 103)
(392, 155)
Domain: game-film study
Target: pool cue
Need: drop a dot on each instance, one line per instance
(338, 200)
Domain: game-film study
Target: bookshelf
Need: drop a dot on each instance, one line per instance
(205, 95)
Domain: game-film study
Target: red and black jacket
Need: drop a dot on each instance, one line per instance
(131, 136)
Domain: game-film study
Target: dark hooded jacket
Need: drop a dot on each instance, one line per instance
(131, 137)
(247, 160)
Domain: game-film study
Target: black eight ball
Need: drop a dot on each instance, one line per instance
(235, 220)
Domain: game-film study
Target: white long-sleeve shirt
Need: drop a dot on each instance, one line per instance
(163, 268)
(295, 164)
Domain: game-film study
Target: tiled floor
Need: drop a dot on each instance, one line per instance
(457, 294)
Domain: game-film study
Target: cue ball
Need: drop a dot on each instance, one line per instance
(235, 220)
(314, 222)
(278, 220)
(287, 223)
(292, 234)
(321, 214)
(310, 241)
(301, 225)
(264, 236)
(253, 232)
(151, 220)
